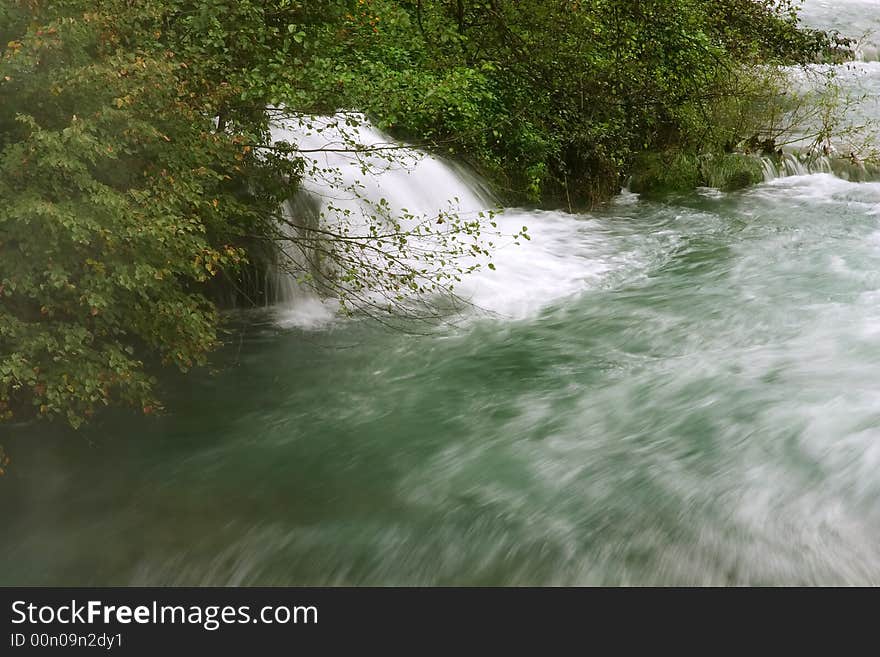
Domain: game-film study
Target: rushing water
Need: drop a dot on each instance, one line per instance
(659, 393)
(857, 19)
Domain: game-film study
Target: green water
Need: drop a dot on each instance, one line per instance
(697, 403)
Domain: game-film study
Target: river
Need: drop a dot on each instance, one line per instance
(676, 393)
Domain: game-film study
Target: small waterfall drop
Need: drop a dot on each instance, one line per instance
(357, 182)
(351, 164)
(792, 164)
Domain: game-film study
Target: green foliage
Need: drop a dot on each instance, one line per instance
(118, 201)
(554, 99)
(768, 30)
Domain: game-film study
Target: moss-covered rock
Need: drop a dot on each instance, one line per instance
(731, 171)
(659, 173)
(674, 171)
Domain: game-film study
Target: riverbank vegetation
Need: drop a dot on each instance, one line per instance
(134, 183)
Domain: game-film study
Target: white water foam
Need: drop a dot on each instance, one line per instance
(353, 168)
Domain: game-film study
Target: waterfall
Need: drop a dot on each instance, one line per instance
(352, 167)
(296, 274)
(792, 164)
(356, 178)
(357, 182)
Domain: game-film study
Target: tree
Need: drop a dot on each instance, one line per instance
(119, 200)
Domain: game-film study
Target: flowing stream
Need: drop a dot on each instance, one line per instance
(685, 392)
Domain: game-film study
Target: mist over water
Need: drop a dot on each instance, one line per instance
(657, 393)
